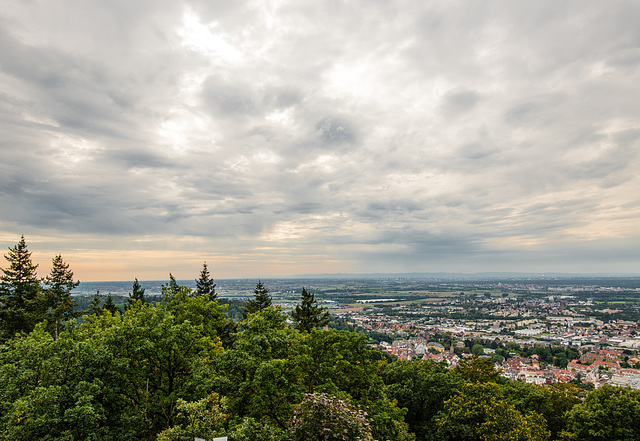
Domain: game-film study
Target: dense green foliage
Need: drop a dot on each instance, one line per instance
(421, 388)
(324, 417)
(479, 411)
(181, 368)
(607, 413)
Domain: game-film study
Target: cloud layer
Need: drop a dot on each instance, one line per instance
(281, 137)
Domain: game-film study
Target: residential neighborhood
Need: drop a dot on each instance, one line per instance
(566, 334)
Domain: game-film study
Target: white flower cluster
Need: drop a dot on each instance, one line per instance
(325, 417)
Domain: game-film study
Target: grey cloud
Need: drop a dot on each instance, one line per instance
(420, 250)
(460, 101)
(47, 204)
(626, 60)
(452, 126)
(335, 131)
(81, 92)
(139, 158)
(539, 111)
(394, 206)
(475, 151)
(305, 208)
(614, 164)
(228, 99)
(72, 85)
(281, 98)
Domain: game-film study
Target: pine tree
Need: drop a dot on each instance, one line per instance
(308, 315)
(169, 290)
(94, 306)
(136, 294)
(205, 285)
(262, 300)
(22, 302)
(109, 305)
(60, 305)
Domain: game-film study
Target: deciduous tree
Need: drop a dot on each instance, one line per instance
(421, 387)
(198, 419)
(479, 412)
(325, 417)
(562, 398)
(476, 369)
(607, 414)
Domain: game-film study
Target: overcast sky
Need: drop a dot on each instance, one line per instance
(286, 137)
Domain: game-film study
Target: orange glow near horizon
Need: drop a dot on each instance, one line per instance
(122, 265)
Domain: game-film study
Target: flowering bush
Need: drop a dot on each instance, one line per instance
(324, 417)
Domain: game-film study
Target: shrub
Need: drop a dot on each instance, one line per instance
(324, 417)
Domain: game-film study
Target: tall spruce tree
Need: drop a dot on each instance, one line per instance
(205, 285)
(261, 301)
(60, 305)
(169, 290)
(22, 303)
(308, 315)
(94, 305)
(110, 305)
(137, 293)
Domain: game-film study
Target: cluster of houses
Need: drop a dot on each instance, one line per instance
(596, 367)
(568, 321)
(565, 330)
(419, 348)
(603, 366)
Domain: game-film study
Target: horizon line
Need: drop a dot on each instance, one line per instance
(439, 274)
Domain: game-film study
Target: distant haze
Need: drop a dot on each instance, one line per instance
(283, 137)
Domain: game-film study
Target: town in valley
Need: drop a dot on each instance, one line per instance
(536, 329)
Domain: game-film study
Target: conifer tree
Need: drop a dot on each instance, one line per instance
(137, 293)
(94, 305)
(21, 299)
(60, 305)
(308, 315)
(109, 305)
(169, 290)
(205, 285)
(261, 301)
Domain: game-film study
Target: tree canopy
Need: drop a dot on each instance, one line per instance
(180, 369)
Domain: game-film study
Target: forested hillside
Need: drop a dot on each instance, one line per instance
(180, 368)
